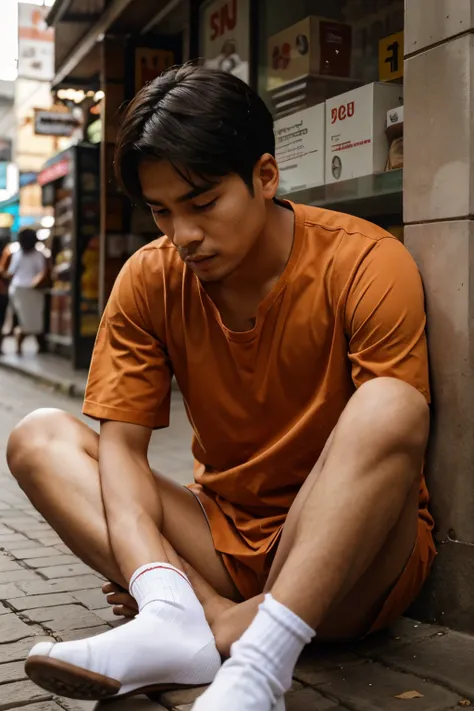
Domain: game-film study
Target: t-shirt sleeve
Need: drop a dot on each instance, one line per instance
(385, 318)
(130, 374)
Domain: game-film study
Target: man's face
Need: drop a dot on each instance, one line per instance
(215, 228)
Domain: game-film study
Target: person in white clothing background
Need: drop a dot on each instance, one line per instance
(27, 271)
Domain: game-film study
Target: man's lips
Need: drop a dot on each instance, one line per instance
(199, 258)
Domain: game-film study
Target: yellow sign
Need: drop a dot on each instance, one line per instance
(391, 57)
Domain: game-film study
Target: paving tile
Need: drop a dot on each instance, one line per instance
(93, 599)
(65, 571)
(404, 631)
(50, 539)
(43, 706)
(371, 687)
(449, 659)
(62, 548)
(80, 582)
(49, 562)
(318, 658)
(64, 617)
(7, 564)
(33, 551)
(18, 651)
(75, 705)
(14, 576)
(12, 671)
(32, 602)
(106, 614)
(12, 590)
(306, 699)
(19, 693)
(13, 629)
(13, 538)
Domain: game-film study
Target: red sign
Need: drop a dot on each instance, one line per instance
(342, 112)
(54, 172)
(223, 20)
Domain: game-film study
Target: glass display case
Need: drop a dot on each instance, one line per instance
(70, 184)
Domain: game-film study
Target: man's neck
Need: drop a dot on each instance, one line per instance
(239, 296)
(267, 261)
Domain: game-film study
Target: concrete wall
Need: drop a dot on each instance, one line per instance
(439, 205)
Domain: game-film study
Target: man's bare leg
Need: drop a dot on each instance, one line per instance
(366, 484)
(54, 458)
(357, 524)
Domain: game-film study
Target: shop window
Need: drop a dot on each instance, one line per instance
(331, 71)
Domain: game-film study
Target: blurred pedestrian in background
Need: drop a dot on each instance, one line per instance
(28, 272)
(5, 258)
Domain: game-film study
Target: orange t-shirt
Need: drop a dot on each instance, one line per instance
(348, 307)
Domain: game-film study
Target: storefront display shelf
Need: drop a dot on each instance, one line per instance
(368, 197)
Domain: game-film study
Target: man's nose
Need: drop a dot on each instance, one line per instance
(185, 233)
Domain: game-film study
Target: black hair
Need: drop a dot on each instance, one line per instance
(27, 239)
(205, 122)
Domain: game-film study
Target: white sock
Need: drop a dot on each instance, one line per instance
(262, 662)
(169, 642)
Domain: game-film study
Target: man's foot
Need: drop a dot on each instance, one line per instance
(164, 647)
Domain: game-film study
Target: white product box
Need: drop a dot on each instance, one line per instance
(300, 144)
(356, 143)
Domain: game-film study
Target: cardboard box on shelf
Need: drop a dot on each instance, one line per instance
(356, 142)
(313, 46)
(300, 143)
(306, 92)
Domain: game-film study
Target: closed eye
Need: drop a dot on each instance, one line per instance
(162, 212)
(207, 206)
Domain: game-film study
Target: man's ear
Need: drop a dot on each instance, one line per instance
(267, 176)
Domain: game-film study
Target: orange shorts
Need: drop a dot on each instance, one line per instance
(409, 584)
(250, 583)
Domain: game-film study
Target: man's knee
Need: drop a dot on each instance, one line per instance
(33, 439)
(396, 411)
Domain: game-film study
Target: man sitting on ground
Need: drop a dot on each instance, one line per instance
(297, 338)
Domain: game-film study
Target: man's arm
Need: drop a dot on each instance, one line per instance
(130, 495)
(128, 390)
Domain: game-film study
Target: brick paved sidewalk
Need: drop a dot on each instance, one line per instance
(46, 593)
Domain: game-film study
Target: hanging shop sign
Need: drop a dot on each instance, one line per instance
(54, 123)
(225, 36)
(300, 145)
(54, 172)
(313, 46)
(150, 63)
(391, 57)
(35, 43)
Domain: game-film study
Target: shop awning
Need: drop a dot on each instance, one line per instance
(81, 25)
